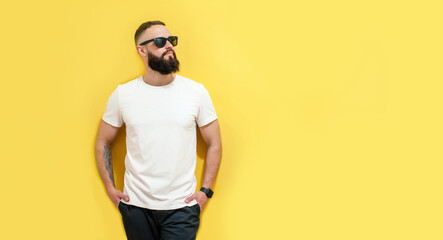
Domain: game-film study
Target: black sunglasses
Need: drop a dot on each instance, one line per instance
(161, 41)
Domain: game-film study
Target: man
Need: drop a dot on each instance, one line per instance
(161, 110)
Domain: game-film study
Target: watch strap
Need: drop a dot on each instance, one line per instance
(207, 191)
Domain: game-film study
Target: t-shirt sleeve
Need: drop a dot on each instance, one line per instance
(206, 111)
(112, 113)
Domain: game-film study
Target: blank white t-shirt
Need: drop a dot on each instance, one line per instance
(160, 139)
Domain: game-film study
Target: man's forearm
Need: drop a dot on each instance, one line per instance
(103, 158)
(213, 159)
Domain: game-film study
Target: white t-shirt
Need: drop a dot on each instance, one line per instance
(160, 139)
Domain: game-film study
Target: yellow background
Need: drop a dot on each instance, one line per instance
(331, 114)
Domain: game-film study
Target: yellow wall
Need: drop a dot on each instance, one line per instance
(331, 114)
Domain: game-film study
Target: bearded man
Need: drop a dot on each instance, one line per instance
(161, 110)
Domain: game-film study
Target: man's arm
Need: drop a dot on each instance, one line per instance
(105, 136)
(212, 138)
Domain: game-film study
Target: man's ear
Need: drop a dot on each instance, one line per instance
(141, 51)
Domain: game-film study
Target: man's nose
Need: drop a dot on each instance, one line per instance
(168, 45)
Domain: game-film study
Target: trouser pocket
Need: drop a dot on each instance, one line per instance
(120, 206)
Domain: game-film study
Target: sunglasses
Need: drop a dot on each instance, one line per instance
(161, 41)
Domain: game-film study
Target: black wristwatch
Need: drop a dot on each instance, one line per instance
(207, 191)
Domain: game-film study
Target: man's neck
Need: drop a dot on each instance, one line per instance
(154, 78)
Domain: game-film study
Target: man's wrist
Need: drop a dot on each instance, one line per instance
(207, 191)
(110, 188)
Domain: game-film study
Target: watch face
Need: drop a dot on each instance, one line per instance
(207, 191)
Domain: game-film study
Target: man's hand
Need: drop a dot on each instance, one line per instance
(115, 196)
(200, 197)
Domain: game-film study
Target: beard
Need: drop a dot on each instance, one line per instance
(163, 66)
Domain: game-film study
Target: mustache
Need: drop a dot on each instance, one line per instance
(164, 54)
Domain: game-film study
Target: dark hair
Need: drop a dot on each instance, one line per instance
(145, 26)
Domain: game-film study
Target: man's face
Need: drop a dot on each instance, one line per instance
(162, 60)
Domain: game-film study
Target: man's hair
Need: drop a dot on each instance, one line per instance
(145, 26)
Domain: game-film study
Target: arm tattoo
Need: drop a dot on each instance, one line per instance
(108, 163)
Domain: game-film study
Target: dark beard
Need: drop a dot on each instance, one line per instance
(163, 66)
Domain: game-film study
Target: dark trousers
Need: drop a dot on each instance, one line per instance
(146, 224)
